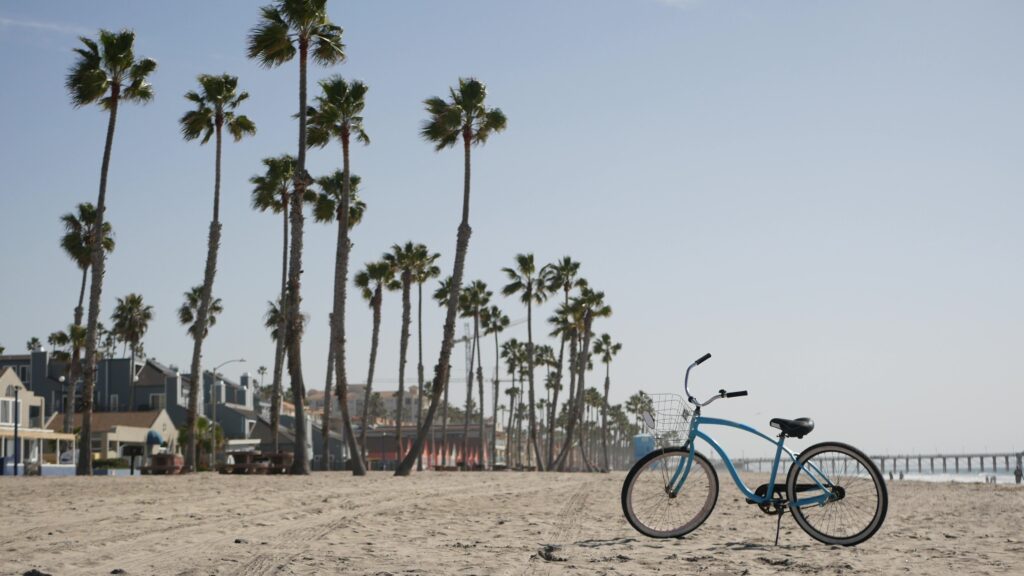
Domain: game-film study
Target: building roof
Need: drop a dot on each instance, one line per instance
(15, 357)
(165, 370)
(104, 421)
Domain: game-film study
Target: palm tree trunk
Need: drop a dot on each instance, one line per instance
(202, 312)
(534, 445)
(419, 368)
(282, 327)
(374, 340)
(403, 352)
(75, 373)
(444, 425)
(480, 391)
(573, 413)
(448, 342)
(469, 400)
(95, 292)
(604, 416)
(325, 424)
(494, 425)
(554, 399)
(338, 340)
(293, 339)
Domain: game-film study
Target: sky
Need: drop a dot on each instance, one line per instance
(825, 196)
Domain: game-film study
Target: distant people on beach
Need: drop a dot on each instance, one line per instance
(890, 475)
(1018, 474)
(901, 474)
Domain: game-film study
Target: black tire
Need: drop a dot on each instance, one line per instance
(858, 513)
(643, 482)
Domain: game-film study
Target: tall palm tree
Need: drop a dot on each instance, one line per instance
(130, 321)
(337, 115)
(33, 343)
(187, 311)
(272, 191)
(371, 283)
(216, 103)
(523, 280)
(328, 205)
(465, 116)
(606, 350)
(589, 305)
(444, 289)
(287, 27)
(560, 275)
(473, 301)
(106, 72)
(77, 244)
(402, 259)
(494, 321)
(426, 268)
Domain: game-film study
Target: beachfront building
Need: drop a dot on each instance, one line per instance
(25, 437)
(123, 434)
(383, 454)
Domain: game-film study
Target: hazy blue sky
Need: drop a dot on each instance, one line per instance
(826, 196)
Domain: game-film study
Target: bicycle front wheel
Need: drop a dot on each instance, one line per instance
(653, 510)
(858, 501)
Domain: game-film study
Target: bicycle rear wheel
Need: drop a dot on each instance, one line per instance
(650, 507)
(859, 500)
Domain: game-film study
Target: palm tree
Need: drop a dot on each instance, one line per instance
(215, 104)
(77, 244)
(287, 27)
(512, 353)
(187, 311)
(425, 269)
(494, 321)
(327, 209)
(105, 72)
(589, 305)
(402, 259)
(560, 275)
(130, 321)
(473, 300)
(465, 116)
(371, 283)
(33, 343)
(272, 191)
(523, 280)
(444, 289)
(606, 351)
(337, 115)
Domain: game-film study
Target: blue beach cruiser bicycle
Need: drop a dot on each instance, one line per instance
(834, 492)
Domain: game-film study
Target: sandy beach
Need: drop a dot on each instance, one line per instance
(467, 523)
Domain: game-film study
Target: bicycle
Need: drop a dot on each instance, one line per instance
(835, 493)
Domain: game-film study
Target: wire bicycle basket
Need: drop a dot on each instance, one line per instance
(666, 417)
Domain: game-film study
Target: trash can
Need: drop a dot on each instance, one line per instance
(643, 444)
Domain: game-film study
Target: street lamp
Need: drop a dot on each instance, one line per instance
(213, 408)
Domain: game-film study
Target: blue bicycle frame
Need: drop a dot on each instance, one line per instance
(683, 470)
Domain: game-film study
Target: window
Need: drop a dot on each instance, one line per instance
(157, 401)
(7, 411)
(250, 425)
(24, 375)
(114, 403)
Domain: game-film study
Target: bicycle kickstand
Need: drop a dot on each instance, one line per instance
(778, 527)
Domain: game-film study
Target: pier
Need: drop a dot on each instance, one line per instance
(920, 463)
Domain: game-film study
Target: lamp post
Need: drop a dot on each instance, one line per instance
(213, 408)
(17, 419)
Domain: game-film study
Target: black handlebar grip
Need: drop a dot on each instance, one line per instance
(735, 394)
(702, 359)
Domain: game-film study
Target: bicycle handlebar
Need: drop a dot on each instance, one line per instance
(721, 393)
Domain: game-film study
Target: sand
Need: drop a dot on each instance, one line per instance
(467, 523)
